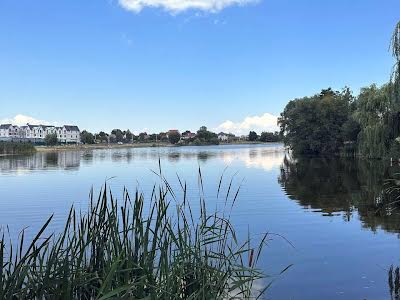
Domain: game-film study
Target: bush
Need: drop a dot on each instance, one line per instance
(51, 139)
(16, 148)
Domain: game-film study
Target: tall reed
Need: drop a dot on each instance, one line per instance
(16, 148)
(121, 250)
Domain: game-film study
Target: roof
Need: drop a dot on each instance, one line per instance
(5, 126)
(71, 127)
(33, 126)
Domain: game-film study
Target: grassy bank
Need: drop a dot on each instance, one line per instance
(12, 148)
(117, 251)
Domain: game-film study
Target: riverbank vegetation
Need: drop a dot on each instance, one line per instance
(12, 148)
(203, 136)
(339, 123)
(134, 249)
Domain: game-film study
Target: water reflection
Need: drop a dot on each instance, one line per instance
(263, 157)
(41, 161)
(346, 187)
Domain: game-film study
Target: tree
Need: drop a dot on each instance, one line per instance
(314, 125)
(271, 137)
(174, 137)
(253, 136)
(142, 136)
(119, 135)
(395, 47)
(102, 137)
(206, 137)
(128, 136)
(51, 139)
(87, 137)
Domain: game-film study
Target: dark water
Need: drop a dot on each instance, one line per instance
(333, 212)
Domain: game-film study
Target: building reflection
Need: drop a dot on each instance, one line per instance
(66, 160)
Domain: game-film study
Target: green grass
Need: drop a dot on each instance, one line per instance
(16, 148)
(117, 251)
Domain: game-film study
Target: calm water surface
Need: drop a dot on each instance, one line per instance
(331, 211)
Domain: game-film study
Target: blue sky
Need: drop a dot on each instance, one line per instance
(161, 64)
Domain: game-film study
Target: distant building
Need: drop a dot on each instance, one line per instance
(37, 133)
(223, 137)
(188, 135)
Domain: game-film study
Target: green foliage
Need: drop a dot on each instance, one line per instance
(253, 136)
(117, 251)
(16, 148)
(128, 136)
(102, 137)
(118, 135)
(174, 137)
(142, 137)
(271, 137)
(372, 113)
(314, 125)
(87, 137)
(205, 137)
(51, 139)
(332, 122)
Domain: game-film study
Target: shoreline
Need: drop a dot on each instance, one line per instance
(136, 145)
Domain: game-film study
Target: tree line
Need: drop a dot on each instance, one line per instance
(337, 122)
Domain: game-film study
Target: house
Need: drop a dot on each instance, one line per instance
(71, 134)
(37, 133)
(187, 135)
(223, 137)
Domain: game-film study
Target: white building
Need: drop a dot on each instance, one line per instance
(223, 137)
(37, 133)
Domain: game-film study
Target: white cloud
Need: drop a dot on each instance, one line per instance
(177, 6)
(23, 120)
(265, 122)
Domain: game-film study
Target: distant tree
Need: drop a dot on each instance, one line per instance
(142, 136)
(87, 137)
(206, 137)
(271, 137)
(119, 135)
(163, 137)
(102, 137)
(51, 139)
(174, 137)
(128, 136)
(253, 136)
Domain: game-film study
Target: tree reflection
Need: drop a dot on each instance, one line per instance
(346, 187)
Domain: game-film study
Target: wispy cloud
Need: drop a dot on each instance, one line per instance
(177, 6)
(265, 122)
(23, 120)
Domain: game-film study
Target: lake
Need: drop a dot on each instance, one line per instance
(325, 216)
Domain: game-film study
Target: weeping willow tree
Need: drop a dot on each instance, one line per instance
(373, 109)
(378, 112)
(393, 123)
(395, 47)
